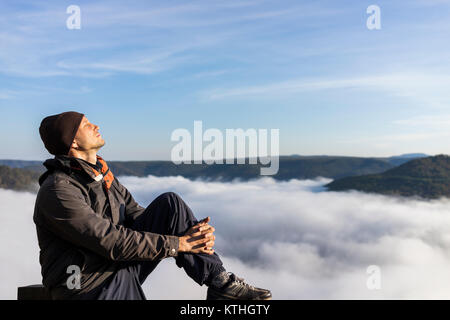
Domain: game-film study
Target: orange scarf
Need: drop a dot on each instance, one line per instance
(108, 176)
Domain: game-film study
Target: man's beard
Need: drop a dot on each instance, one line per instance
(99, 145)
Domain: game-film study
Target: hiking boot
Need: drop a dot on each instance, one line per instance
(237, 289)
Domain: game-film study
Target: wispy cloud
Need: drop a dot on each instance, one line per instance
(394, 139)
(431, 2)
(33, 90)
(212, 73)
(7, 94)
(429, 121)
(409, 85)
(148, 62)
(145, 32)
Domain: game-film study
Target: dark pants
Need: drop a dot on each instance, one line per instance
(168, 214)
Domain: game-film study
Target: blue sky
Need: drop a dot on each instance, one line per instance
(141, 69)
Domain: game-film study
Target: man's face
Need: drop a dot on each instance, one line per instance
(88, 137)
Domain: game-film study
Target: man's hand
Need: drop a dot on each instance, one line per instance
(198, 239)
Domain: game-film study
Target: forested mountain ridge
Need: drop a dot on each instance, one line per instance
(426, 177)
(290, 167)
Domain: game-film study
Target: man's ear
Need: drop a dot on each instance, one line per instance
(74, 144)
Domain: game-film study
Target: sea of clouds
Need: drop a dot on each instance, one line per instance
(292, 237)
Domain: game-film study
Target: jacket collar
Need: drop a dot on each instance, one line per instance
(71, 165)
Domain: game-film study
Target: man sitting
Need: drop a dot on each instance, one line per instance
(87, 220)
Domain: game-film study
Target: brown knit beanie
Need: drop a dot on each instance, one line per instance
(58, 131)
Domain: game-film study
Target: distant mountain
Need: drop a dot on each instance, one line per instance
(398, 160)
(20, 163)
(411, 156)
(18, 179)
(290, 167)
(424, 177)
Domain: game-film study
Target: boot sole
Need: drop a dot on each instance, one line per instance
(211, 295)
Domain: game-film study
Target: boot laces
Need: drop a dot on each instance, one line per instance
(241, 282)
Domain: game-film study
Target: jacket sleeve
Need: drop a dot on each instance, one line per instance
(66, 213)
(132, 209)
